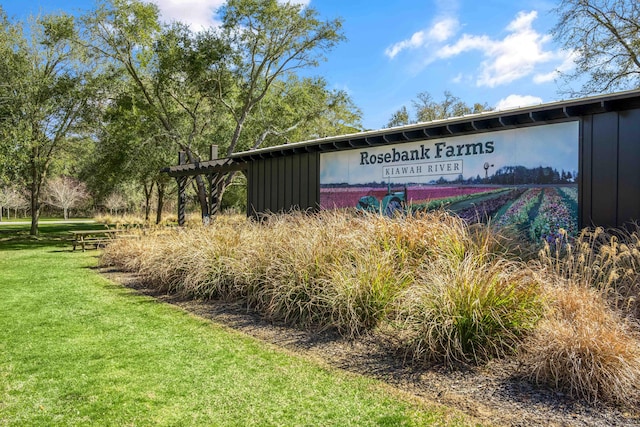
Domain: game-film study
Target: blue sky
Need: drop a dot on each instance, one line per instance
(496, 51)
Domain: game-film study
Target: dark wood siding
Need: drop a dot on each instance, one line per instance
(610, 169)
(284, 183)
(629, 167)
(609, 174)
(604, 169)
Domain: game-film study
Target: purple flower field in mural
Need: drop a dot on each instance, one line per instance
(519, 212)
(539, 212)
(554, 214)
(347, 197)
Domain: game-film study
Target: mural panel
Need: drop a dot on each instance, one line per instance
(524, 177)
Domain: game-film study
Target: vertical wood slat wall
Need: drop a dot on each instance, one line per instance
(610, 169)
(284, 183)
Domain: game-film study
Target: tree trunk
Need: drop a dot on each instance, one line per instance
(201, 190)
(148, 190)
(65, 213)
(160, 190)
(35, 208)
(218, 185)
(202, 198)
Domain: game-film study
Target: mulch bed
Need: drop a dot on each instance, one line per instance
(492, 394)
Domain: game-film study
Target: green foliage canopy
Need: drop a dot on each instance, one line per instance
(45, 92)
(426, 109)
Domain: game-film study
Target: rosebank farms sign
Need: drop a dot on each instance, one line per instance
(461, 158)
(525, 177)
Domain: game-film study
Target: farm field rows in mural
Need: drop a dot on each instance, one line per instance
(538, 212)
(525, 178)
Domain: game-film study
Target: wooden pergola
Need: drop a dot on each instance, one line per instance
(214, 170)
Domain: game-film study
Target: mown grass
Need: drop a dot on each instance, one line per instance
(441, 290)
(77, 349)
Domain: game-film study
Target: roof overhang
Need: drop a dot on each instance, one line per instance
(469, 124)
(218, 166)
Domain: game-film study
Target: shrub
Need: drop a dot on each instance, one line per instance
(469, 310)
(584, 348)
(606, 260)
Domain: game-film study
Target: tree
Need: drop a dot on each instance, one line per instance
(215, 85)
(605, 37)
(399, 118)
(12, 198)
(114, 202)
(426, 109)
(44, 92)
(130, 150)
(65, 192)
(268, 40)
(300, 109)
(128, 36)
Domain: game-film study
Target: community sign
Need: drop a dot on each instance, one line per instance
(525, 177)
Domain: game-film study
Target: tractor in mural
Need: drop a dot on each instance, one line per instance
(393, 203)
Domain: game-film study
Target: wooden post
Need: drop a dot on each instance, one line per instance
(182, 191)
(213, 199)
(182, 200)
(214, 186)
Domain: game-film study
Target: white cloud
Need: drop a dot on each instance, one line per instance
(466, 43)
(509, 59)
(568, 63)
(416, 41)
(441, 30)
(198, 14)
(515, 101)
(304, 3)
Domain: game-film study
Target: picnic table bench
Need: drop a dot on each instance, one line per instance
(96, 238)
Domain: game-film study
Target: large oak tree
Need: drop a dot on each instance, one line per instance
(226, 85)
(427, 109)
(605, 36)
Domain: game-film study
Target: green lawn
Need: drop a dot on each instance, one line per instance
(77, 349)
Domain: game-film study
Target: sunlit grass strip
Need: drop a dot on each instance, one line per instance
(76, 349)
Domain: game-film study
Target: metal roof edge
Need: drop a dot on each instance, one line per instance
(488, 115)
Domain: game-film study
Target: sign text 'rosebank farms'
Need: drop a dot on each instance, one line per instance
(394, 162)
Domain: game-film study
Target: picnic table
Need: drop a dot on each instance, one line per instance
(94, 238)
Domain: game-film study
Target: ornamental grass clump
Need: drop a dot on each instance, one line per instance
(297, 254)
(606, 260)
(360, 292)
(584, 348)
(468, 310)
(324, 271)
